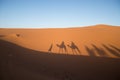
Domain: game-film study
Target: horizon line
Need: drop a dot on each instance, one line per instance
(58, 27)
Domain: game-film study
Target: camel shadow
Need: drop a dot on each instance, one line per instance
(62, 47)
(112, 51)
(114, 47)
(74, 48)
(91, 52)
(100, 51)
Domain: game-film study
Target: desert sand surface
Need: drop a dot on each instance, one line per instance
(92, 53)
(97, 40)
(20, 63)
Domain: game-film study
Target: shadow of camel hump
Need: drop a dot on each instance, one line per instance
(112, 51)
(100, 51)
(62, 47)
(91, 52)
(74, 48)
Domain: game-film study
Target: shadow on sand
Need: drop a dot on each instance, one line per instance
(74, 48)
(112, 51)
(91, 52)
(117, 49)
(100, 51)
(62, 47)
(27, 64)
(50, 48)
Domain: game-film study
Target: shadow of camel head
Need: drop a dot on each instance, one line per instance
(18, 35)
(68, 45)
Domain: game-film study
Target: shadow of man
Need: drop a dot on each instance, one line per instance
(50, 48)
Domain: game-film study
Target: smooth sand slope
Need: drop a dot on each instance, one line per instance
(98, 40)
(19, 63)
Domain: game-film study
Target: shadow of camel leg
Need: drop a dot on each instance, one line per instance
(66, 52)
(75, 51)
(59, 50)
(79, 52)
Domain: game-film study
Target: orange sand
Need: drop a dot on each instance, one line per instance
(41, 39)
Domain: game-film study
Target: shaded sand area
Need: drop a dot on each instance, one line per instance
(97, 40)
(20, 63)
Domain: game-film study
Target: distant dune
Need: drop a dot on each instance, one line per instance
(97, 40)
(19, 63)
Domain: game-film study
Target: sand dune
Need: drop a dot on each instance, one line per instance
(84, 38)
(15, 38)
(19, 63)
(24, 53)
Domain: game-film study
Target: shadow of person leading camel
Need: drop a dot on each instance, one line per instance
(91, 51)
(74, 48)
(62, 47)
(50, 48)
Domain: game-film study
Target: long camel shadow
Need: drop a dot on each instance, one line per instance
(62, 47)
(100, 51)
(91, 52)
(74, 48)
(118, 49)
(112, 51)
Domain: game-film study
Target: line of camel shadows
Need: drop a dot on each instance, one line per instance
(63, 49)
(91, 51)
